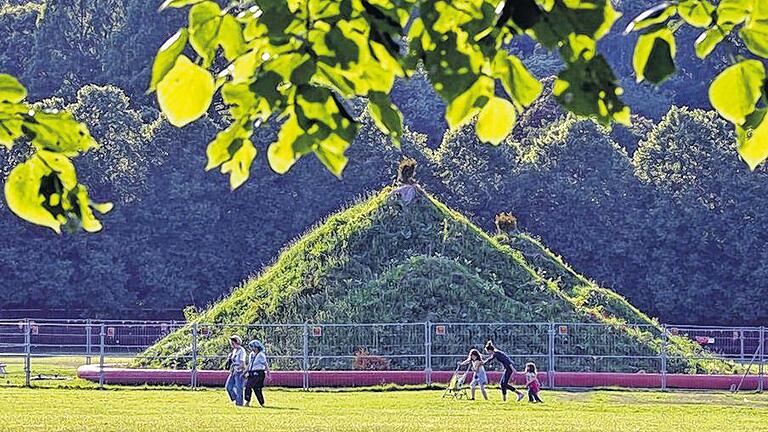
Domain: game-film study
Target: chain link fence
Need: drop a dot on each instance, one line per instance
(38, 352)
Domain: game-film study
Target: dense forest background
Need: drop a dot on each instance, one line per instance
(663, 212)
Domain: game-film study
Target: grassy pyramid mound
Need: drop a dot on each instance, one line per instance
(402, 256)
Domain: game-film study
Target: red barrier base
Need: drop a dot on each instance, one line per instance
(375, 378)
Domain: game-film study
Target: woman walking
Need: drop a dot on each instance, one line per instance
(509, 370)
(258, 370)
(236, 365)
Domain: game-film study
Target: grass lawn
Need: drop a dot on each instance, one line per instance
(46, 368)
(209, 410)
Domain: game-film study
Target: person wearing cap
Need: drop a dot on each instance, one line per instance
(236, 362)
(258, 370)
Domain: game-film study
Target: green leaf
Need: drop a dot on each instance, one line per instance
(331, 151)
(231, 38)
(58, 132)
(210, 28)
(178, 3)
(733, 12)
(518, 82)
(185, 93)
(496, 121)
(697, 13)
(11, 89)
(167, 56)
(221, 149)
(708, 40)
(239, 98)
(44, 191)
(735, 92)
(755, 37)
(386, 116)
(578, 48)
(83, 210)
(590, 88)
(291, 144)
(204, 25)
(466, 105)
(22, 193)
(651, 17)
(233, 150)
(654, 56)
(753, 139)
(11, 124)
(239, 166)
(281, 20)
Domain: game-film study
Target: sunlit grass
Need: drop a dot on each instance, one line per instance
(175, 410)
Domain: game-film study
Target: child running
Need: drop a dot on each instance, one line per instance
(509, 371)
(480, 377)
(532, 383)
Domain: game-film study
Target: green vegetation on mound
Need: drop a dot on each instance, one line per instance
(402, 256)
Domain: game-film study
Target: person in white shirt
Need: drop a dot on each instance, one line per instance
(258, 370)
(236, 363)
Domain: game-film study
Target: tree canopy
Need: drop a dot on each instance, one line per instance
(301, 63)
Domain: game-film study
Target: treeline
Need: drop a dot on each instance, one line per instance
(662, 212)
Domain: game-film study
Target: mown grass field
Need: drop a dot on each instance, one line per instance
(209, 410)
(51, 371)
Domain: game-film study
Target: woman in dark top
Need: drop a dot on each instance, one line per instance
(258, 371)
(509, 370)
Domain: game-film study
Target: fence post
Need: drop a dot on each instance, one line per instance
(428, 352)
(664, 342)
(305, 357)
(27, 353)
(741, 340)
(193, 371)
(101, 356)
(88, 341)
(761, 378)
(551, 356)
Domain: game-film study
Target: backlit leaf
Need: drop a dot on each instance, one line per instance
(708, 40)
(697, 13)
(735, 92)
(239, 166)
(518, 82)
(11, 89)
(496, 121)
(654, 56)
(386, 116)
(167, 56)
(466, 105)
(651, 17)
(753, 139)
(185, 93)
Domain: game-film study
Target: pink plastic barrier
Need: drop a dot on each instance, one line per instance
(374, 378)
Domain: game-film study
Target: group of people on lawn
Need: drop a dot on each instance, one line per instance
(480, 378)
(248, 371)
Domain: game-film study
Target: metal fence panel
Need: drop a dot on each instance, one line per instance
(43, 352)
(12, 335)
(523, 342)
(366, 347)
(586, 347)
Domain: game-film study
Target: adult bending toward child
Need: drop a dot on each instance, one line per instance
(509, 370)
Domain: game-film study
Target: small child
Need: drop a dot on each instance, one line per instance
(480, 377)
(532, 383)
